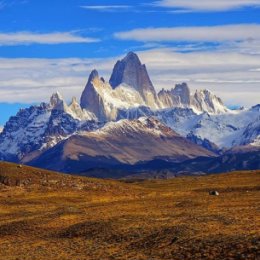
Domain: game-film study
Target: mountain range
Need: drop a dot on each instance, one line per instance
(124, 122)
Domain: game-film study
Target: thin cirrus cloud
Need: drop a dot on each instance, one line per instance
(29, 38)
(233, 76)
(106, 8)
(207, 5)
(42, 77)
(238, 32)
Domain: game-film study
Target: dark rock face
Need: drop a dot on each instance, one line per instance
(54, 124)
(205, 100)
(135, 113)
(14, 135)
(168, 99)
(130, 71)
(203, 142)
(201, 100)
(256, 108)
(121, 143)
(90, 99)
(180, 96)
(251, 133)
(183, 92)
(61, 124)
(48, 127)
(38, 128)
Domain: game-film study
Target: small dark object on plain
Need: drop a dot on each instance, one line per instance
(214, 193)
(175, 239)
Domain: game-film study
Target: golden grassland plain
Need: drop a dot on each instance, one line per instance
(49, 216)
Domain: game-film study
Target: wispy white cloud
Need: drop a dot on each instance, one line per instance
(233, 76)
(28, 38)
(255, 70)
(42, 77)
(207, 5)
(237, 32)
(106, 8)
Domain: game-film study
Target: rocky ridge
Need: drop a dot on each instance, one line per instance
(130, 88)
(116, 143)
(129, 95)
(38, 128)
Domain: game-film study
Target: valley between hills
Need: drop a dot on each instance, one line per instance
(47, 215)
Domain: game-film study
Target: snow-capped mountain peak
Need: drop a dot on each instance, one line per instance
(130, 97)
(225, 129)
(130, 87)
(127, 71)
(204, 100)
(37, 128)
(201, 101)
(183, 92)
(132, 72)
(56, 100)
(105, 102)
(75, 110)
(149, 125)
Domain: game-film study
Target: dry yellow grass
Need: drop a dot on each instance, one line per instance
(77, 218)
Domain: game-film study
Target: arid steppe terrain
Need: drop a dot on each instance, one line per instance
(45, 215)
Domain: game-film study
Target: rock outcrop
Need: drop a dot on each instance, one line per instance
(105, 102)
(132, 72)
(91, 99)
(117, 143)
(201, 101)
(204, 100)
(130, 95)
(37, 128)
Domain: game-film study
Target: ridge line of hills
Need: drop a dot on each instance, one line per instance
(124, 123)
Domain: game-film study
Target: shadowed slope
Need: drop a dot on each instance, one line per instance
(123, 142)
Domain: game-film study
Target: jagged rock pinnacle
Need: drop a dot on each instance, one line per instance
(94, 74)
(56, 99)
(90, 99)
(131, 72)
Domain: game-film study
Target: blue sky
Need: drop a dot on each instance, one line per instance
(47, 46)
